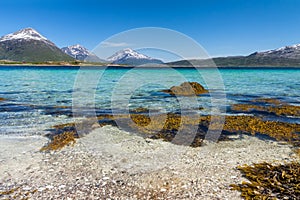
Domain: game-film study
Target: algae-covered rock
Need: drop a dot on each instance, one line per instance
(186, 89)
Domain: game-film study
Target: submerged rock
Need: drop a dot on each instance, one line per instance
(268, 106)
(193, 129)
(186, 89)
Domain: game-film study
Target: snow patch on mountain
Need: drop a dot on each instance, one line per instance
(292, 52)
(282, 49)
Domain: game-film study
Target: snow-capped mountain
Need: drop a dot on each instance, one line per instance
(76, 51)
(289, 52)
(25, 34)
(80, 53)
(29, 45)
(131, 57)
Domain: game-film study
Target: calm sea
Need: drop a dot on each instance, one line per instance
(39, 97)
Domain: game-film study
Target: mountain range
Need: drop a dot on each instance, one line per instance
(284, 56)
(27, 45)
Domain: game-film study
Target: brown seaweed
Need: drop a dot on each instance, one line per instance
(166, 126)
(267, 181)
(59, 141)
(272, 106)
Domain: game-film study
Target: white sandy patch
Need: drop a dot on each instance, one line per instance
(18, 153)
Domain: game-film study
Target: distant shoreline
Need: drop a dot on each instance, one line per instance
(150, 67)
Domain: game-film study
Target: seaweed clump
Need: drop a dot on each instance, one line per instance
(281, 131)
(2, 99)
(66, 134)
(267, 181)
(59, 141)
(167, 126)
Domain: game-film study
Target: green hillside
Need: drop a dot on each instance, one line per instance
(31, 51)
(239, 61)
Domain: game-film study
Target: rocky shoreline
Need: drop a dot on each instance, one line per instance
(134, 156)
(114, 164)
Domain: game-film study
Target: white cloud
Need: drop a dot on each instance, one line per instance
(115, 44)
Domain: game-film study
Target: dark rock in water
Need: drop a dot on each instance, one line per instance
(187, 89)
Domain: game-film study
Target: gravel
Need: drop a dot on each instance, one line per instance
(110, 163)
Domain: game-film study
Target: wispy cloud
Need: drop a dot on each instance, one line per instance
(115, 44)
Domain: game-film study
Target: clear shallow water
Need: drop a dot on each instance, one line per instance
(39, 97)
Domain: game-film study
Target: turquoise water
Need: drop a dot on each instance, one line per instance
(39, 97)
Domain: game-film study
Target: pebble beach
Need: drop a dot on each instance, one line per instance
(110, 163)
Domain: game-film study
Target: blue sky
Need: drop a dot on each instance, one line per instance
(222, 27)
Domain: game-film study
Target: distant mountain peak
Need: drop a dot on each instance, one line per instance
(25, 34)
(129, 56)
(75, 50)
(127, 53)
(79, 52)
